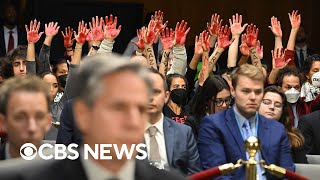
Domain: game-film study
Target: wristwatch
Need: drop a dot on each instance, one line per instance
(95, 47)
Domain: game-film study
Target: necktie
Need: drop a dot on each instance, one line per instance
(301, 58)
(247, 134)
(10, 42)
(154, 147)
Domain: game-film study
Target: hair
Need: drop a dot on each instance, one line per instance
(18, 53)
(288, 71)
(29, 83)
(247, 70)
(309, 62)
(211, 87)
(95, 68)
(154, 71)
(170, 77)
(295, 137)
(56, 63)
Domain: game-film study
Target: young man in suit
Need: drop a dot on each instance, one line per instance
(170, 145)
(222, 135)
(309, 126)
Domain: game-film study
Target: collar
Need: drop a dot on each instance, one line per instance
(158, 125)
(304, 48)
(242, 119)
(6, 30)
(95, 172)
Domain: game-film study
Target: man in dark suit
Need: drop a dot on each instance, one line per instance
(309, 126)
(10, 34)
(222, 135)
(302, 51)
(170, 145)
(68, 131)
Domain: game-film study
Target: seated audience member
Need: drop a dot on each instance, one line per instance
(24, 114)
(214, 96)
(309, 126)
(222, 135)
(170, 145)
(272, 107)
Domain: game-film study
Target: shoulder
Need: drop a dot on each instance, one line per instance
(218, 118)
(312, 116)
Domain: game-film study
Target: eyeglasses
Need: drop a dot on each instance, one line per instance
(219, 102)
(268, 102)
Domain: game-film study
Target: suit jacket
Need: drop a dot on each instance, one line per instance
(296, 58)
(72, 169)
(220, 141)
(22, 39)
(181, 147)
(68, 132)
(2, 151)
(309, 126)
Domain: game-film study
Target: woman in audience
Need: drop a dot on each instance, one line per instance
(214, 96)
(272, 106)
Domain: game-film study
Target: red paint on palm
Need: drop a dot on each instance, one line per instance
(215, 24)
(32, 35)
(140, 42)
(224, 36)
(278, 59)
(67, 37)
(51, 29)
(167, 38)
(181, 32)
(252, 35)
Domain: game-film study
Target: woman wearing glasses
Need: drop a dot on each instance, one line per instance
(214, 96)
(272, 106)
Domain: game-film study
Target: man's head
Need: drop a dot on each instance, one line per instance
(112, 106)
(9, 14)
(16, 62)
(289, 78)
(24, 110)
(247, 88)
(160, 94)
(178, 86)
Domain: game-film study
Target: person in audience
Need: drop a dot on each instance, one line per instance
(222, 135)
(273, 106)
(24, 113)
(214, 96)
(309, 126)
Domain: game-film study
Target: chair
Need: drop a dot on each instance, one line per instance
(310, 171)
(313, 159)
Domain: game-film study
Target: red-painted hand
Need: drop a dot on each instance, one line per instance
(67, 37)
(278, 59)
(110, 28)
(32, 34)
(205, 41)
(224, 36)
(295, 19)
(82, 33)
(252, 35)
(244, 49)
(96, 28)
(149, 34)
(158, 19)
(89, 37)
(140, 43)
(51, 29)
(215, 25)
(259, 50)
(275, 27)
(235, 24)
(167, 38)
(198, 44)
(181, 32)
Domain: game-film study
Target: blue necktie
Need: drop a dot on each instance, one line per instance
(247, 134)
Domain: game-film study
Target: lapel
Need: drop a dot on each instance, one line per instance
(169, 136)
(235, 131)
(264, 136)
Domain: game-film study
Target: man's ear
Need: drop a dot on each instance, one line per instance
(233, 91)
(167, 96)
(81, 115)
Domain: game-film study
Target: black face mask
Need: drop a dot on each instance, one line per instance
(179, 96)
(63, 80)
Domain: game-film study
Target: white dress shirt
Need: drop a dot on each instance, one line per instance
(160, 140)
(6, 34)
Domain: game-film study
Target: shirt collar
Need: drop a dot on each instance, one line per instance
(304, 48)
(158, 125)
(95, 172)
(242, 119)
(6, 30)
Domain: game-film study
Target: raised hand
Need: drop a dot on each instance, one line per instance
(252, 35)
(215, 25)
(89, 37)
(205, 41)
(224, 36)
(140, 43)
(158, 19)
(295, 19)
(32, 35)
(259, 50)
(278, 59)
(181, 32)
(275, 27)
(244, 49)
(149, 34)
(235, 25)
(110, 29)
(198, 44)
(96, 29)
(67, 37)
(82, 33)
(51, 29)
(167, 38)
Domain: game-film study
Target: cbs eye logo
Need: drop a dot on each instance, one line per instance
(28, 151)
